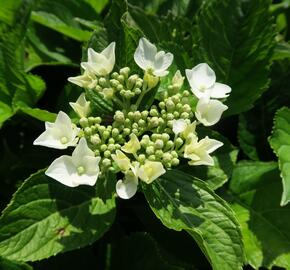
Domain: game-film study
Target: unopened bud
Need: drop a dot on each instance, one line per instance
(152, 157)
(84, 122)
(150, 150)
(125, 71)
(106, 162)
(159, 144)
(175, 162)
(102, 82)
(95, 139)
(107, 154)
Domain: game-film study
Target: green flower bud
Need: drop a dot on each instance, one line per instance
(158, 153)
(106, 162)
(175, 99)
(107, 154)
(135, 125)
(132, 81)
(88, 131)
(103, 147)
(139, 83)
(98, 88)
(154, 122)
(126, 131)
(108, 93)
(162, 105)
(165, 137)
(178, 142)
(130, 115)
(123, 92)
(174, 154)
(115, 132)
(97, 153)
(170, 116)
(159, 144)
(150, 150)
(101, 129)
(125, 71)
(186, 108)
(111, 141)
(161, 121)
(115, 75)
(141, 123)
(98, 120)
(117, 146)
(184, 115)
(185, 93)
(128, 122)
(154, 137)
(153, 112)
(138, 91)
(95, 139)
(167, 157)
(91, 120)
(137, 115)
(120, 88)
(152, 157)
(170, 105)
(127, 94)
(141, 158)
(119, 117)
(144, 115)
(178, 106)
(102, 82)
(114, 83)
(84, 122)
(170, 123)
(175, 162)
(121, 78)
(111, 147)
(135, 131)
(176, 114)
(169, 144)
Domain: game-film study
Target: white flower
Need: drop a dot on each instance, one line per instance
(132, 146)
(82, 168)
(202, 80)
(178, 126)
(60, 134)
(198, 151)
(150, 171)
(151, 61)
(127, 188)
(122, 161)
(81, 106)
(209, 111)
(102, 63)
(86, 80)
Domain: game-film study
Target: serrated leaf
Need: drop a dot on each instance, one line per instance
(280, 142)
(45, 218)
(239, 47)
(265, 224)
(183, 202)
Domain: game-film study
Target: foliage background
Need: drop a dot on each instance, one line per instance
(247, 44)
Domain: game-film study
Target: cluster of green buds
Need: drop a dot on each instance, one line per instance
(138, 141)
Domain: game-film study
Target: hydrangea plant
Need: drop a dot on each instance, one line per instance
(141, 139)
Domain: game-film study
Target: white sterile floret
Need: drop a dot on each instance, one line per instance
(81, 106)
(127, 188)
(150, 171)
(198, 151)
(122, 161)
(132, 146)
(151, 61)
(209, 111)
(60, 134)
(82, 168)
(202, 80)
(177, 80)
(86, 80)
(178, 126)
(101, 63)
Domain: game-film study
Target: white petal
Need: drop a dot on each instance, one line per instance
(144, 55)
(63, 170)
(178, 126)
(49, 139)
(209, 112)
(211, 144)
(81, 151)
(127, 188)
(162, 62)
(220, 90)
(109, 51)
(200, 78)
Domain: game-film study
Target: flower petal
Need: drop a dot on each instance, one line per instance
(63, 170)
(82, 150)
(144, 55)
(179, 126)
(161, 63)
(220, 90)
(127, 188)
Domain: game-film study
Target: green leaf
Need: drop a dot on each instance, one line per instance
(63, 17)
(239, 47)
(282, 51)
(265, 224)
(133, 252)
(5, 112)
(10, 265)
(183, 202)
(45, 218)
(280, 143)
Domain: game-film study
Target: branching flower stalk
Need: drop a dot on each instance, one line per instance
(134, 143)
